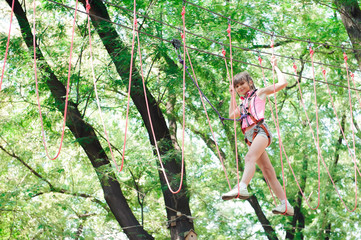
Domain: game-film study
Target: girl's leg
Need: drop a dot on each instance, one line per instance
(269, 173)
(255, 151)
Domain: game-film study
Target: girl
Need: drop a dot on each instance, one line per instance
(257, 135)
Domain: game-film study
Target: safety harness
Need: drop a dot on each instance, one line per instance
(246, 113)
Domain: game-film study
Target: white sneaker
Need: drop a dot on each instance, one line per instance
(281, 209)
(243, 193)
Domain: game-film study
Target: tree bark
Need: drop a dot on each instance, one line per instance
(351, 17)
(85, 135)
(172, 164)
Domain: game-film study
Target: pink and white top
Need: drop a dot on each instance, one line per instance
(255, 106)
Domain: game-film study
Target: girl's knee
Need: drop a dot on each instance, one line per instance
(249, 159)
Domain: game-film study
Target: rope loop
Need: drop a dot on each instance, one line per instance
(183, 11)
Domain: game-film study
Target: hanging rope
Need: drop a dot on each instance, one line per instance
(95, 87)
(130, 83)
(67, 87)
(275, 122)
(233, 102)
(352, 155)
(7, 44)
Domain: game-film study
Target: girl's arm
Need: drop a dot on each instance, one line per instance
(281, 84)
(233, 107)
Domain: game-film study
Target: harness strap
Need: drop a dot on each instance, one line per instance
(259, 124)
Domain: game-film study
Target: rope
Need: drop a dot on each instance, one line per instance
(150, 119)
(220, 43)
(353, 81)
(95, 87)
(276, 125)
(7, 44)
(352, 155)
(130, 82)
(195, 49)
(67, 87)
(270, 33)
(233, 102)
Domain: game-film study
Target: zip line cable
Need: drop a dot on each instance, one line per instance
(196, 49)
(222, 44)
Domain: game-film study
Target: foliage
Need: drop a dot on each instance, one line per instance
(31, 208)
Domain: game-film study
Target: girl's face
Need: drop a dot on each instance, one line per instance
(242, 88)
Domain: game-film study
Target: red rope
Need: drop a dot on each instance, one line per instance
(234, 103)
(129, 85)
(276, 122)
(207, 116)
(352, 155)
(95, 86)
(309, 124)
(7, 44)
(67, 87)
(354, 84)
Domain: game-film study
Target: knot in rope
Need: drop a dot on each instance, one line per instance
(183, 11)
(324, 71)
(182, 35)
(135, 22)
(87, 7)
(294, 66)
(272, 43)
(260, 59)
(345, 56)
(311, 52)
(224, 52)
(229, 29)
(352, 74)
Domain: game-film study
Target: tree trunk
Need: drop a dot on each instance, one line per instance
(85, 135)
(113, 44)
(351, 17)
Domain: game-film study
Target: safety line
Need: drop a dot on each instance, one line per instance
(195, 49)
(221, 43)
(7, 44)
(67, 87)
(95, 88)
